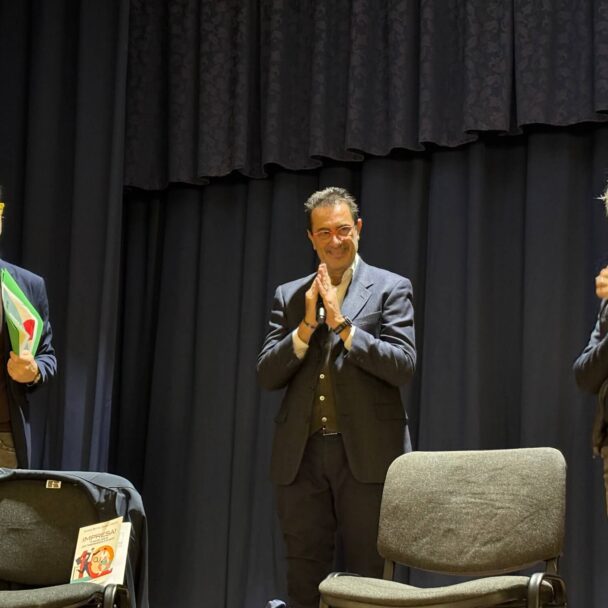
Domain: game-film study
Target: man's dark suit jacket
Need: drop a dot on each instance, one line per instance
(366, 378)
(591, 366)
(591, 372)
(33, 287)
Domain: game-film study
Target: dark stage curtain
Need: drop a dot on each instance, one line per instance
(159, 300)
(63, 75)
(217, 86)
(501, 239)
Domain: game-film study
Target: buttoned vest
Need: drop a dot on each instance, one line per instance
(324, 405)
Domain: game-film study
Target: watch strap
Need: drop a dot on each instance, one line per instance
(346, 323)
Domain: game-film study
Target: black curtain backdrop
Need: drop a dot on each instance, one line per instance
(217, 86)
(62, 98)
(159, 294)
(501, 239)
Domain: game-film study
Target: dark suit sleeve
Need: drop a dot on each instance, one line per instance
(391, 356)
(277, 361)
(591, 367)
(45, 354)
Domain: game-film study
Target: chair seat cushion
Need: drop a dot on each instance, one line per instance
(78, 594)
(494, 590)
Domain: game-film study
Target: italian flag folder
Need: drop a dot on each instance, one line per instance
(22, 319)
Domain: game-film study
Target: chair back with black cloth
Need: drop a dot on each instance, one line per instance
(41, 513)
(486, 515)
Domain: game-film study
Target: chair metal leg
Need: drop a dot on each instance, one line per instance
(389, 570)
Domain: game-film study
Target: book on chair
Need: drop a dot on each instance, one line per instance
(101, 553)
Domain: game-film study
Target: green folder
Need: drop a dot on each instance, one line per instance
(22, 319)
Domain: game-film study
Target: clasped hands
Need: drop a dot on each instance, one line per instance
(22, 368)
(322, 288)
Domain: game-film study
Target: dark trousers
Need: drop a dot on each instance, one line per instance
(323, 502)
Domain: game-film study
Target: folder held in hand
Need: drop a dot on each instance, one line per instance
(22, 319)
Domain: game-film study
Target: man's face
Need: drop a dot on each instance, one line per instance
(335, 237)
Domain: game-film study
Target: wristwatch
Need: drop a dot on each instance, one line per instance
(346, 323)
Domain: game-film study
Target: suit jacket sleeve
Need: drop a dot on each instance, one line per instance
(591, 367)
(45, 355)
(391, 354)
(277, 361)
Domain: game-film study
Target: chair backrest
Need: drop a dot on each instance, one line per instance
(474, 512)
(39, 525)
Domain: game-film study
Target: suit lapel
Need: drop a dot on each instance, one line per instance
(357, 295)
(358, 292)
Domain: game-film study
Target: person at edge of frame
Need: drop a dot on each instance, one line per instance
(23, 372)
(591, 369)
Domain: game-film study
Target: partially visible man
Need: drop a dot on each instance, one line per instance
(591, 373)
(341, 421)
(24, 372)
(591, 367)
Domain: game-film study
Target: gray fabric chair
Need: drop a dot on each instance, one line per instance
(40, 515)
(482, 514)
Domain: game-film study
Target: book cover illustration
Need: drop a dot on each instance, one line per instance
(101, 552)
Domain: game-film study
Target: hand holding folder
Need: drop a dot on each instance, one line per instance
(22, 319)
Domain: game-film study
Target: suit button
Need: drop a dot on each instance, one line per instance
(324, 419)
(321, 398)
(322, 376)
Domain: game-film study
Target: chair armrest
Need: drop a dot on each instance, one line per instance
(116, 596)
(535, 584)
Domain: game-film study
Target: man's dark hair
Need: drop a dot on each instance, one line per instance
(328, 197)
